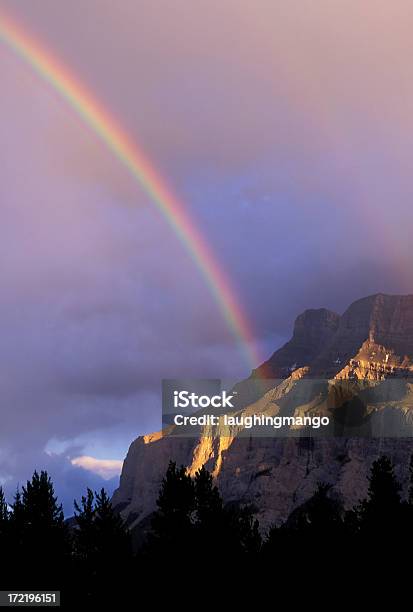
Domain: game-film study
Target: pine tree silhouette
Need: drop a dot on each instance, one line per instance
(208, 500)
(321, 514)
(4, 517)
(381, 514)
(113, 535)
(274, 541)
(16, 521)
(209, 518)
(40, 539)
(191, 517)
(102, 549)
(85, 538)
(246, 531)
(317, 521)
(4, 529)
(172, 526)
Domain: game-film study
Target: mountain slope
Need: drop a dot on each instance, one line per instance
(366, 354)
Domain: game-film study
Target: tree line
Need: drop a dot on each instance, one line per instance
(92, 552)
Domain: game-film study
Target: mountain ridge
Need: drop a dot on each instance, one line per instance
(371, 343)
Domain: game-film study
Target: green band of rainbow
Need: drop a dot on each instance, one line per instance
(115, 138)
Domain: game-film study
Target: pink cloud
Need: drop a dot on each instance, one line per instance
(106, 468)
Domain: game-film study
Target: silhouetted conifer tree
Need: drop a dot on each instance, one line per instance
(246, 530)
(102, 548)
(382, 512)
(321, 514)
(273, 541)
(39, 537)
(172, 522)
(112, 533)
(191, 517)
(209, 517)
(16, 521)
(317, 521)
(4, 517)
(4, 533)
(85, 538)
(207, 498)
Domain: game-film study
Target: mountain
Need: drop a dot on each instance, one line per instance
(313, 330)
(356, 368)
(370, 328)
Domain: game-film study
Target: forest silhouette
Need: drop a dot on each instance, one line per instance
(94, 555)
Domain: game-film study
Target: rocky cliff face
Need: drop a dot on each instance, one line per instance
(373, 327)
(317, 371)
(313, 330)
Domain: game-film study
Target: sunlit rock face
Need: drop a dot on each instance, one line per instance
(357, 369)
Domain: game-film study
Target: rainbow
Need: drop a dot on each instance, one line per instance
(108, 130)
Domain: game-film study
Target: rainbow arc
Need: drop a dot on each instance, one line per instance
(110, 132)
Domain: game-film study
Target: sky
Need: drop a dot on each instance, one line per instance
(285, 128)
